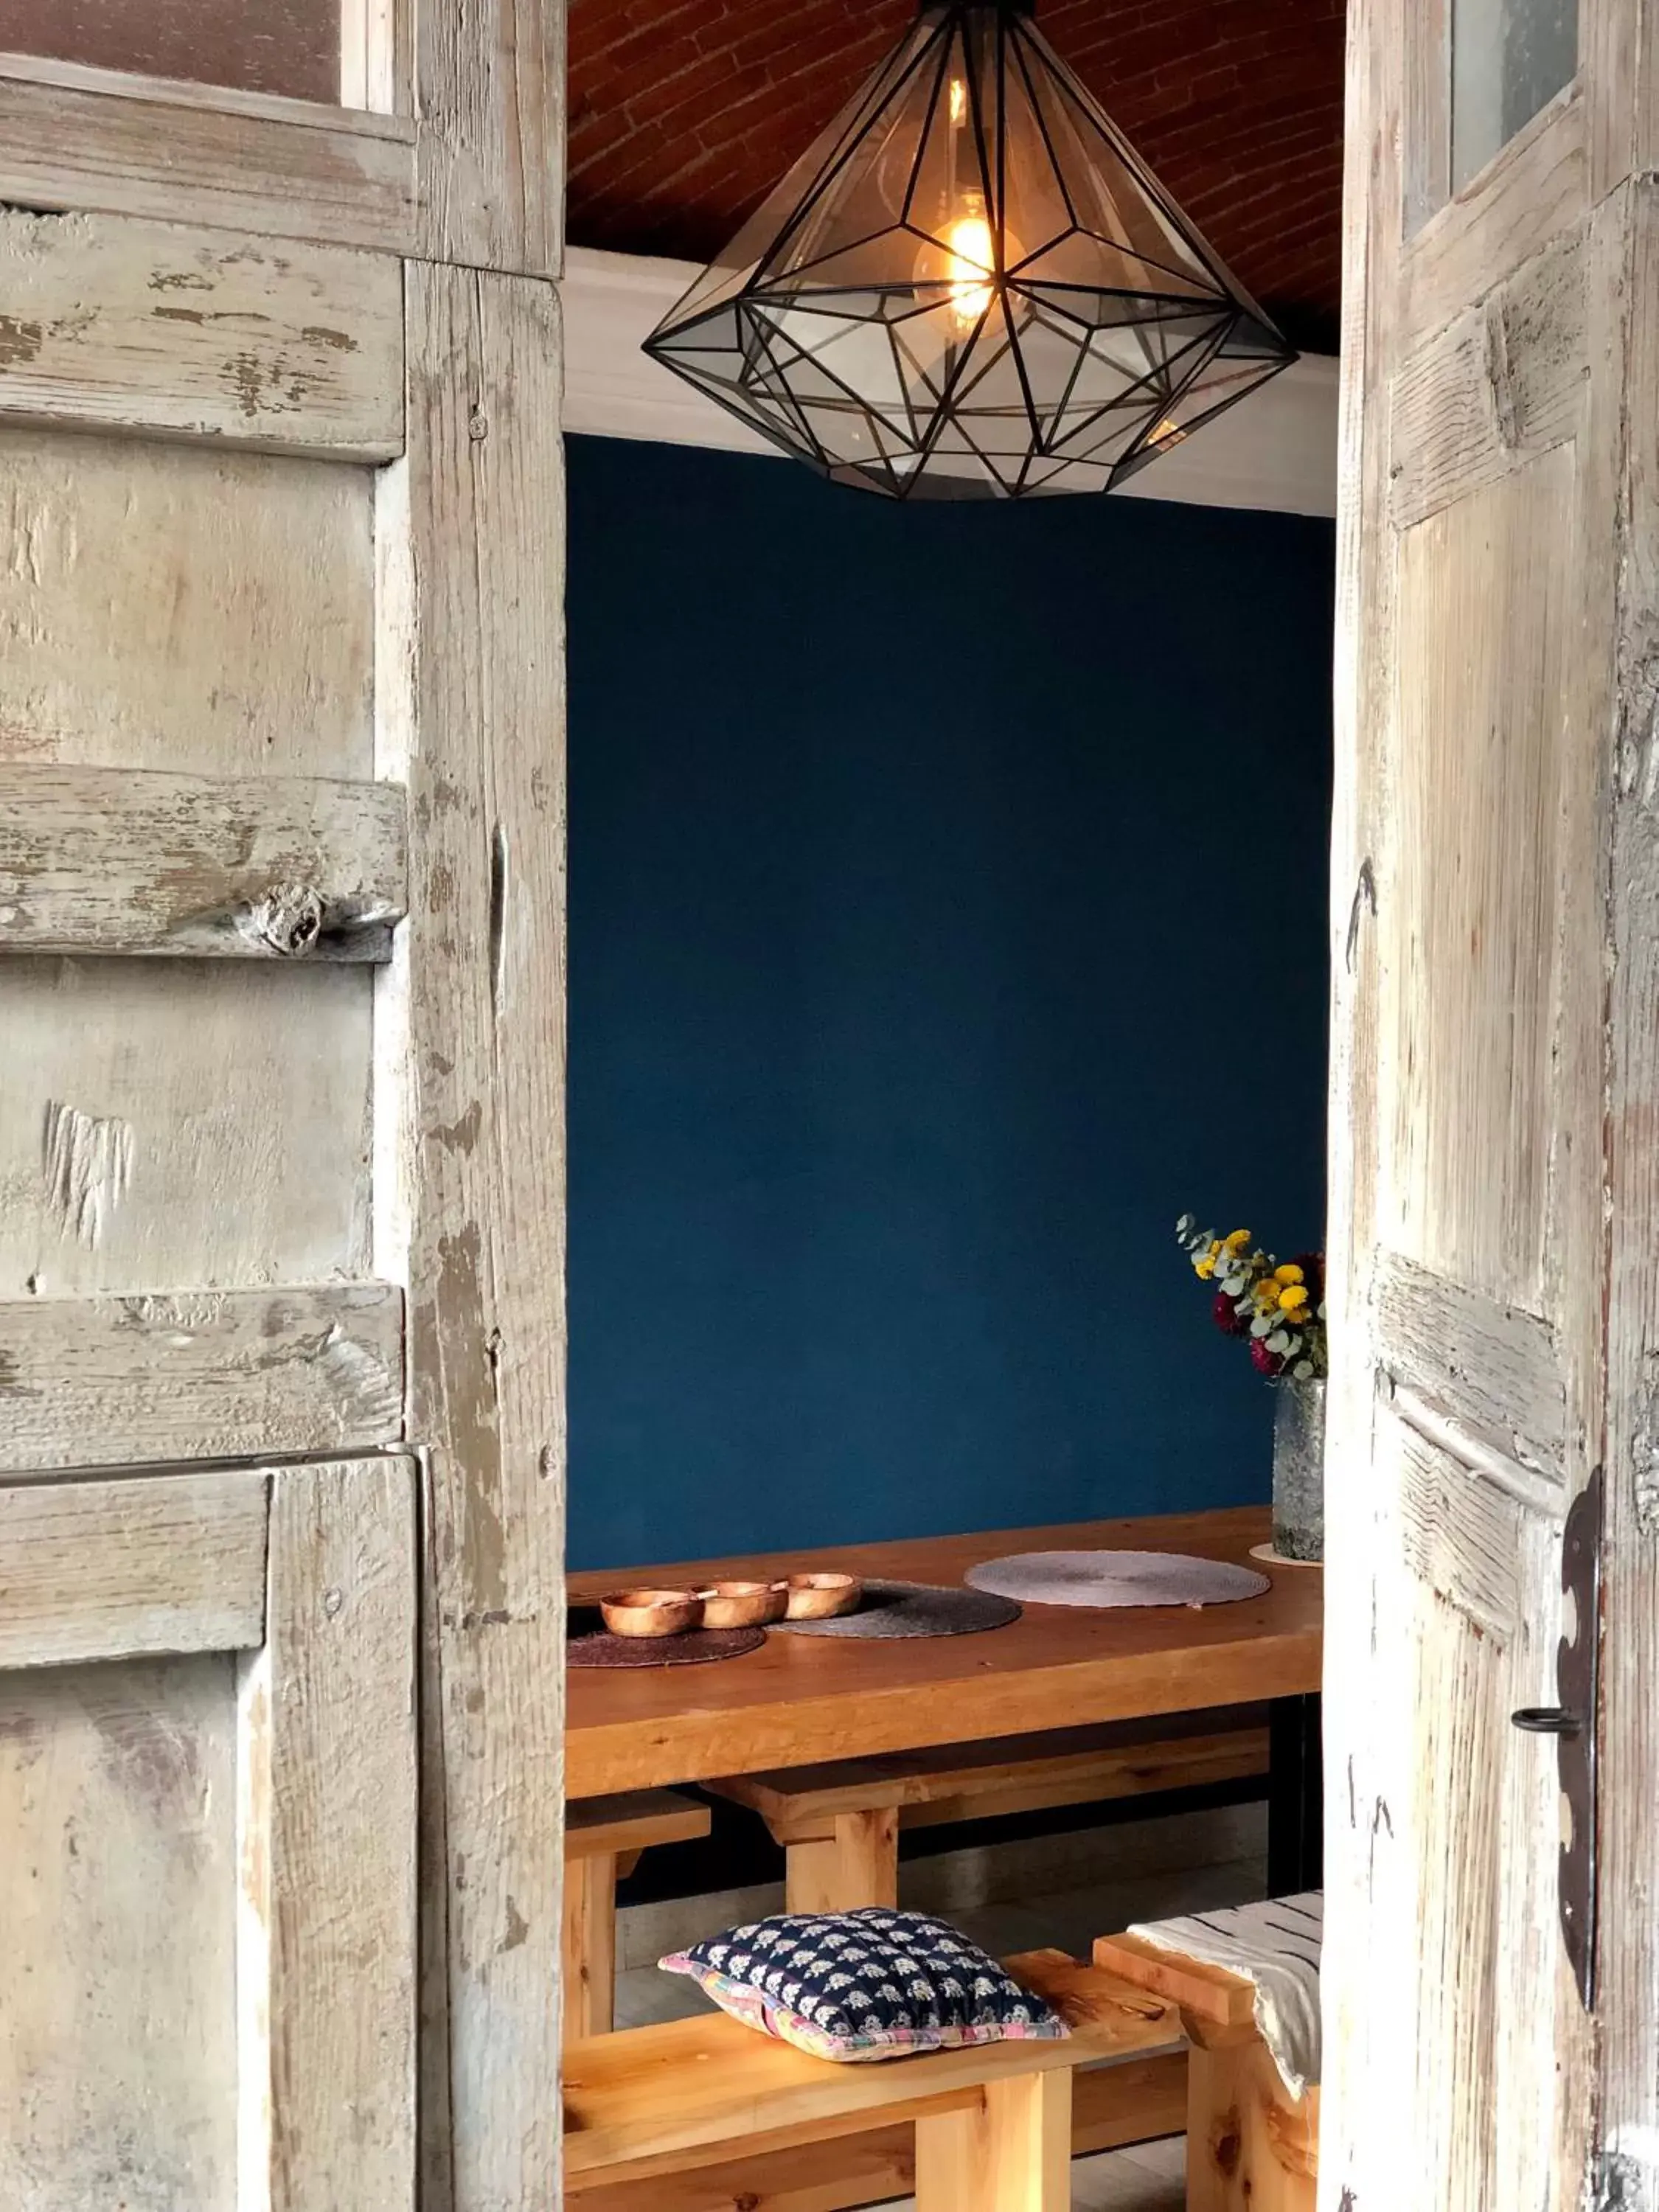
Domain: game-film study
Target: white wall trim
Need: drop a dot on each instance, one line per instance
(1276, 450)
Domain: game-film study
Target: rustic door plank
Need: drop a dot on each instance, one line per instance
(112, 860)
(1534, 188)
(210, 1374)
(489, 89)
(146, 1567)
(75, 137)
(1491, 1368)
(325, 1924)
(155, 328)
(1482, 548)
(1629, 1836)
(1496, 387)
(470, 1206)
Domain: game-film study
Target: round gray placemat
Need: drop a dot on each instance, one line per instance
(1116, 1578)
(913, 1609)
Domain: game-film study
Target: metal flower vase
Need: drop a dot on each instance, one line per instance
(1299, 1469)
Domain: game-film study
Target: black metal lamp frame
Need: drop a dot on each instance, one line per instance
(971, 286)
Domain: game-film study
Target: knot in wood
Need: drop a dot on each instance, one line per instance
(288, 921)
(1227, 2142)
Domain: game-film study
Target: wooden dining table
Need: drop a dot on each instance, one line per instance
(801, 1699)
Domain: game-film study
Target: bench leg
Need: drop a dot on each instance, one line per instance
(589, 1946)
(1250, 2147)
(857, 1864)
(1010, 2153)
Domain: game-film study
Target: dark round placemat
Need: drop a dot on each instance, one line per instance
(595, 1646)
(1116, 1578)
(913, 1609)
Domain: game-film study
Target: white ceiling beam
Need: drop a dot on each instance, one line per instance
(1275, 450)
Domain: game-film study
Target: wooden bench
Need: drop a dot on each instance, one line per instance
(838, 1823)
(603, 1838)
(993, 2123)
(1134, 2100)
(1251, 2147)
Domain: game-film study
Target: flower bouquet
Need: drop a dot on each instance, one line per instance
(1280, 1309)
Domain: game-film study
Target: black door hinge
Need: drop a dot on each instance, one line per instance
(1572, 1722)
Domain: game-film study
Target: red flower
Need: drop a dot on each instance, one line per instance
(1312, 1264)
(1265, 1362)
(1226, 1320)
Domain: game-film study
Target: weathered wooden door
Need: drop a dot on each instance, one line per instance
(1495, 1116)
(280, 1091)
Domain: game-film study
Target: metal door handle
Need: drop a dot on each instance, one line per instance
(1547, 1720)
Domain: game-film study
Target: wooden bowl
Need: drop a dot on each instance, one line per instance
(652, 1611)
(822, 1597)
(742, 1605)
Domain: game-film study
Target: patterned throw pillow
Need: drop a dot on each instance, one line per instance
(873, 1983)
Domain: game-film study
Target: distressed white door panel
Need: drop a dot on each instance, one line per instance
(222, 1179)
(170, 606)
(1478, 985)
(209, 1993)
(1493, 930)
(117, 2008)
(147, 1566)
(182, 1125)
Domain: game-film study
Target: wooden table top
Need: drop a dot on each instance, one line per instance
(803, 1699)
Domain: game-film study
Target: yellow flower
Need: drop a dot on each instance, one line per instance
(1291, 1299)
(1289, 1273)
(1205, 1268)
(1238, 1240)
(1266, 1291)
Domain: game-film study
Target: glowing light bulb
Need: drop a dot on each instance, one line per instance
(966, 240)
(972, 259)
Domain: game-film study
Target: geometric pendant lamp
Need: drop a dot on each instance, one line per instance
(969, 286)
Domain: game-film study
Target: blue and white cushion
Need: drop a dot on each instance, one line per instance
(874, 1984)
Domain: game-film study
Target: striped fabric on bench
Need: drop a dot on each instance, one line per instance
(1275, 1945)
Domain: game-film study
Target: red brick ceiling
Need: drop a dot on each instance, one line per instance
(685, 112)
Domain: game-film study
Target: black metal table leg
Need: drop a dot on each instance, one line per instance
(1295, 1797)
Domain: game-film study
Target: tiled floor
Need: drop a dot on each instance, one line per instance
(1151, 2178)
(1148, 2179)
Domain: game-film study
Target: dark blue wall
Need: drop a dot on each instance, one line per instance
(947, 913)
